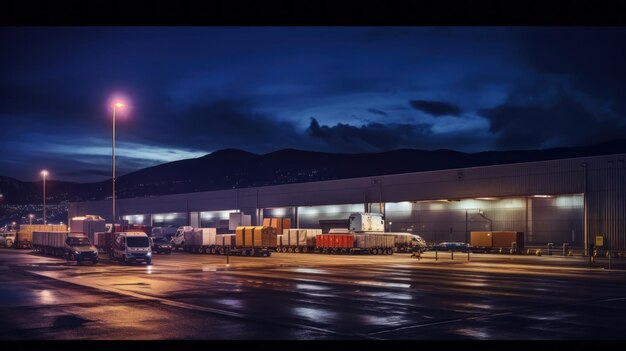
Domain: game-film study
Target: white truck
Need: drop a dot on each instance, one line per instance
(373, 223)
(71, 246)
(7, 238)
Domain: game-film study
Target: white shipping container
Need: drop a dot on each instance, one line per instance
(88, 225)
(225, 239)
(291, 236)
(189, 236)
(99, 239)
(50, 239)
(204, 236)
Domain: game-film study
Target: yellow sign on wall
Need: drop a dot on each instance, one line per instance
(599, 240)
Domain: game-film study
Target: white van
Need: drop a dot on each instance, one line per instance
(132, 247)
(7, 238)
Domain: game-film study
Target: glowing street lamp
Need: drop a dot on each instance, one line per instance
(30, 218)
(44, 173)
(116, 105)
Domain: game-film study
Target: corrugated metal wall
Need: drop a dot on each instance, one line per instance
(605, 178)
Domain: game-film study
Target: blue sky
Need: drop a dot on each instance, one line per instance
(194, 90)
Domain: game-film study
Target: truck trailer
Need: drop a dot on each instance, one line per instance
(24, 237)
(71, 246)
(297, 240)
(247, 241)
(374, 244)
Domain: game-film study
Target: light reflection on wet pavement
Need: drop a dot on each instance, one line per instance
(291, 296)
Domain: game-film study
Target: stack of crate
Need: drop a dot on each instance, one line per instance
(255, 236)
(279, 224)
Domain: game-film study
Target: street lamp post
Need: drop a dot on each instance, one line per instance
(30, 218)
(44, 173)
(115, 106)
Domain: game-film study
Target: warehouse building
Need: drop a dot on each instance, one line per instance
(558, 201)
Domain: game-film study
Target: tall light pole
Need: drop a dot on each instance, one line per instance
(44, 173)
(115, 106)
(30, 218)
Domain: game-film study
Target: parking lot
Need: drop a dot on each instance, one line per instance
(312, 296)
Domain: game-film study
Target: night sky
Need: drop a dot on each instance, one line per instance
(194, 90)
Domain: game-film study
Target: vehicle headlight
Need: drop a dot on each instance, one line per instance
(76, 253)
(149, 254)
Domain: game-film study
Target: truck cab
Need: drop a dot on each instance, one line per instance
(132, 247)
(77, 247)
(164, 232)
(178, 239)
(419, 242)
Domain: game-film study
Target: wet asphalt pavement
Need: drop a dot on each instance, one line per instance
(310, 296)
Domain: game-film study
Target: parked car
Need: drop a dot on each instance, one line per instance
(451, 245)
(161, 245)
(7, 238)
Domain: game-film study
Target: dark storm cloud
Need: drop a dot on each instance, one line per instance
(377, 112)
(592, 59)
(557, 120)
(377, 137)
(574, 95)
(436, 108)
(219, 124)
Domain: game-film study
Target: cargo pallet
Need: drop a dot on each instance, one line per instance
(336, 250)
(223, 250)
(354, 250)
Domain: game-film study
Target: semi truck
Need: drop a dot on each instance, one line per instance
(373, 223)
(71, 246)
(247, 241)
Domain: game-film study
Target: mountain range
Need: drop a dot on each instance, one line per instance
(231, 168)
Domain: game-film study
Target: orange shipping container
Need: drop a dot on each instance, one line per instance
(239, 232)
(481, 239)
(286, 223)
(505, 238)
